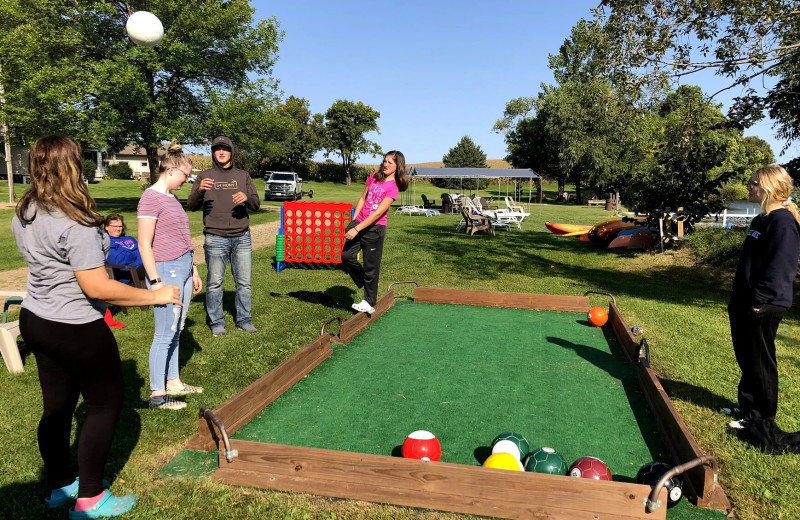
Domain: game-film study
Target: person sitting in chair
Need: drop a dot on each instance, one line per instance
(123, 250)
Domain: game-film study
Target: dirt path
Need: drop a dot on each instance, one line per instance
(262, 235)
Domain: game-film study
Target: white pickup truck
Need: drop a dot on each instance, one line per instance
(283, 185)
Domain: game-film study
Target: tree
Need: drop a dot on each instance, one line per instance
(579, 133)
(303, 139)
(737, 39)
(69, 67)
(695, 155)
(346, 124)
(466, 154)
(250, 117)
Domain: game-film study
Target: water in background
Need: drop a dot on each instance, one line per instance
(744, 206)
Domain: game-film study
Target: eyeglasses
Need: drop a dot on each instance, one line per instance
(752, 184)
(186, 175)
(115, 227)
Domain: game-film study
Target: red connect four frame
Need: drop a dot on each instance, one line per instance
(314, 231)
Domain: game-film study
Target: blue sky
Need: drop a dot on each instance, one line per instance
(435, 70)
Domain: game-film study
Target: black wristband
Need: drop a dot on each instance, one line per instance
(155, 280)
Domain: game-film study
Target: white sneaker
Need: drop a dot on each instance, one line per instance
(363, 306)
(739, 425)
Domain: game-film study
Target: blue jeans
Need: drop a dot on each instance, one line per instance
(239, 251)
(169, 321)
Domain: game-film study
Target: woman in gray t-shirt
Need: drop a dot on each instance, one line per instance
(58, 233)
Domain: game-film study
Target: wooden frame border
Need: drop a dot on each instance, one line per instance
(676, 435)
(443, 486)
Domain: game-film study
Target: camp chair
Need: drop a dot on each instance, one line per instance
(500, 218)
(9, 332)
(517, 210)
(426, 203)
(416, 210)
(475, 223)
(113, 271)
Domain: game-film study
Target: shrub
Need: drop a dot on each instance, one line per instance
(717, 246)
(465, 184)
(89, 169)
(334, 172)
(121, 171)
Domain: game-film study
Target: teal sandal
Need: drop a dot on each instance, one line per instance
(67, 494)
(107, 507)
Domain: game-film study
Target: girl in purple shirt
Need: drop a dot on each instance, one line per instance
(367, 232)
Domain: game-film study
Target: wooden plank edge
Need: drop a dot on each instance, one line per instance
(502, 299)
(682, 444)
(623, 334)
(281, 378)
(441, 486)
(359, 322)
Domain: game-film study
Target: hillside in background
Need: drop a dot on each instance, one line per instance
(493, 163)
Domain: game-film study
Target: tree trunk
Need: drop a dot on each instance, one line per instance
(346, 163)
(560, 195)
(152, 161)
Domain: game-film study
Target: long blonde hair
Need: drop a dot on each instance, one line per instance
(173, 158)
(777, 186)
(55, 164)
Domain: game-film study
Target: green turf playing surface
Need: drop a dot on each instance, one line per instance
(467, 374)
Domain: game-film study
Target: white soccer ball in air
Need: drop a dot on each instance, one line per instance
(144, 29)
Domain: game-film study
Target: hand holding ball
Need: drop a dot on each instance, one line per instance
(144, 29)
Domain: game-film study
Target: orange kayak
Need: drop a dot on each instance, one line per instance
(563, 229)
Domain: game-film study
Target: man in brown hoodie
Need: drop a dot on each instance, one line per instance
(225, 193)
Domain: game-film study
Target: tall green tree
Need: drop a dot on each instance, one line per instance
(737, 39)
(346, 125)
(250, 116)
(303, 139)
(466, 154)
(696, 154)
(577, 134)
(69, 67)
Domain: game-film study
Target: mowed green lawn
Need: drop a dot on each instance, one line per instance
(680, 306)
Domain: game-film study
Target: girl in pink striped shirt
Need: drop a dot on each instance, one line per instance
(167, 254)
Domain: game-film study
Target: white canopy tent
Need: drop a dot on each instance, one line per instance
(467, 174)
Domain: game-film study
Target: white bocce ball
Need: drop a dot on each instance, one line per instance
(144, 29)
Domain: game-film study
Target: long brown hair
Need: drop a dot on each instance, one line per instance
(400, 176)
(777, 185)
(55, 164)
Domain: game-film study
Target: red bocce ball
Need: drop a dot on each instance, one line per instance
(422, 445)
(590, 467)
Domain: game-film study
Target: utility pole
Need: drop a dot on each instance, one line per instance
(7, 139)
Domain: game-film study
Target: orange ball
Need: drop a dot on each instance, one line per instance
(597, 316)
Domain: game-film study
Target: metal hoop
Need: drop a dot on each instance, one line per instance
(646, 346)
(210, 418)
(330, 320)
(613, 300)
(398, 283)
(652, 503)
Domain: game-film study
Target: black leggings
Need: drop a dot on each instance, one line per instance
(75, 360)
(370, 242)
